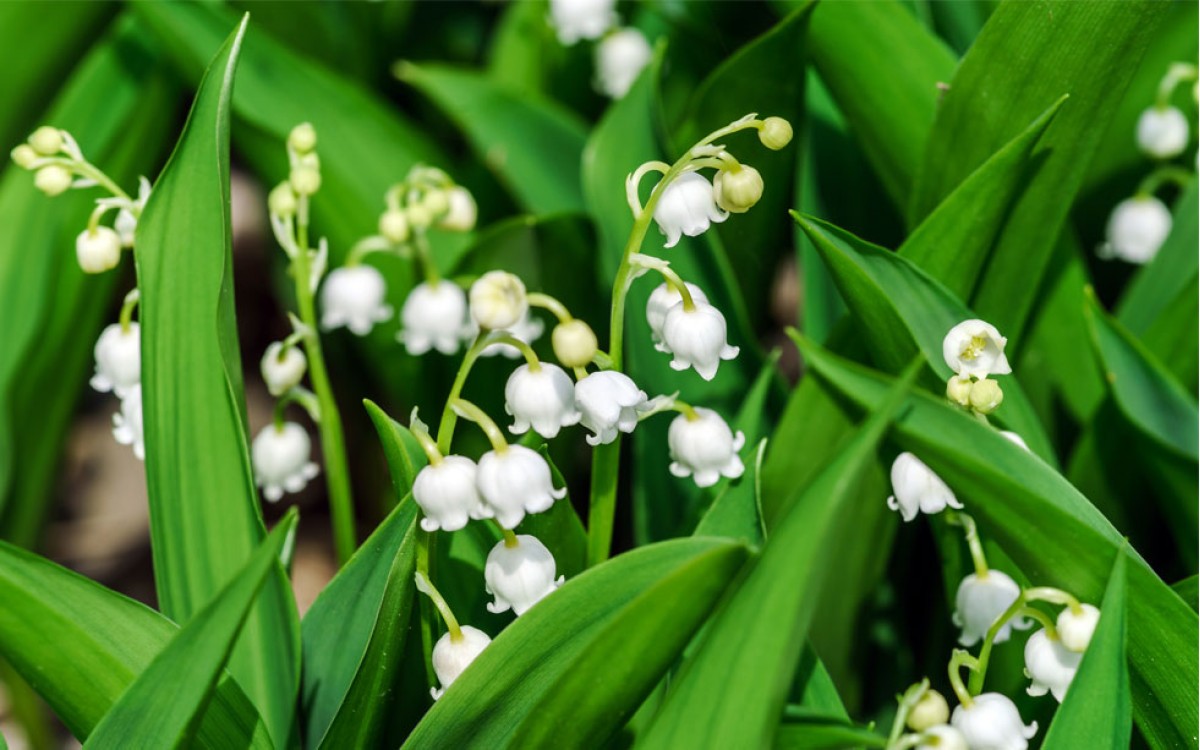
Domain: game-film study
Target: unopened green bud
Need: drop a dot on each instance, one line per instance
(24, 156)
(52, 180)
(958, 390)
(303, 138)
(46, 140)
(738, 188)
(986, 396)
(930, 711)
(574, 343)
(393, 225)
(435, 202)
(419, 216)
(775, 133)
(282, 200)
(305, 180)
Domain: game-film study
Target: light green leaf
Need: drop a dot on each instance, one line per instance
(405, 456)
(572, 668)
(205, 519)
(1189, 590)
(802, 729)
(161, 710)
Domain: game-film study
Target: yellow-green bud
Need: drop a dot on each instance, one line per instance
(303, 138)
(52, 180)
(419, 216)
(574, 343)
(305, 180)
(393, 225)
(958, 390)
(986, 396)
(738, 188)
(930, 711)
(435, 202)
(775, 133)
(282, 200)
(24, 156)
(46, 140)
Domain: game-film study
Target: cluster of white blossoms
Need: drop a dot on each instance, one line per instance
(620, 53)
(1139, 225)
(118, 356)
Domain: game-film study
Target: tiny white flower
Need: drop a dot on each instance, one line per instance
(461, 210)
(283, 369)
(662, 299)
(1137, 229)
(1015, 439)
(528, 329)
(704, 448)
(980, 602)
(1162, 132)
(943, 737)
(696, 338)
(975, 348)
(434, 316)
(687, 206)
(354, 297)
(126, 222)
(127, 423)
(98, 251)
(543, 398)
(620, 57)
(1076, 630)
(281, 460)
(1049, 665)
(917, 489)
(118, 359)
(608, 401)
(992, 722)
(46, 140)
(451, 656)
(498, 300)
(515, 482)
(448, 495)
(582, 19)
(520, 576)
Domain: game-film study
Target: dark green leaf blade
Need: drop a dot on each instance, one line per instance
(405, 457)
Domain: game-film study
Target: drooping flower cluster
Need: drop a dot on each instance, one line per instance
(118, 355)
(620, 54)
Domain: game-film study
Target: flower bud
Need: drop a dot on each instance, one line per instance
(99, 250)
(737, 189)
(574, 343)
(980, 601)
(436, 202)
(704, 448)
(958, 390)
(303, 138)
(687, 206)
(283, 369)
(1137, 229)
(280, 457)
(447, 494)
(1075, 630)
(46, 140)
(930, 711)
(918, 489)
(305, 180)
(1049, 665)
(519, 576)
(498, 300)
(451, 656)
(992, 722)
(127, 423)
(419, 217)
(118, 359)
(608, 401)
(974, 348)
(620, 58)
(393, 225)
(434, 316)
(543, 398)
(1162, 133)
(52, 180)
(514, 482)
(282, 200)
(24, 156)
(696, 338)
(461, 212)
(775, 133)
(354, 297)
(942, 737)
(986, 396)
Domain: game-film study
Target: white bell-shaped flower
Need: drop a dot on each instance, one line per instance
(917, 489)
(608, 401)
(980, 602)
(974, 348)
(528, 329)
(620, 58)
(118, 359)
(514, 482)
(127, 423)
(126, 222)
(943, 737)
(498, 300)
(434, 316)
(704, 448)
(281, 460)
(687, 206)
(1162, 132)
(1075, 630)
(696, 338)
(461, 211)
(543, 398)
(992, 722)
(283, 369)
(448, 495)
(662, 299)
(354, 297)
(582, 19)
(1050, 665)
(519, 576)
(98, 250)
(451, 656)
(1137, 229)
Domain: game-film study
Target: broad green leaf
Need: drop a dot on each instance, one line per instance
(205, 519)
(736, 511)
(1052, 533)
(1189, 590)
(802, 729)
(883, 69)
(732, 690)
(405, 456)
(571, 669)
(1096, 710)
(959, 23)
(532, 144)
(523, 48)
(1086, 50)
(81, 646)
(161, 710)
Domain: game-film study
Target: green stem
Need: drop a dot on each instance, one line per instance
(472, 412)
(546, 302)
(425, 258)
(445, 433)
(973, 542)
(959, 660)
(425, 542)
(989, 640)
(1156, 179)
(426, 587)
(130, 304)
(92, 172)
(606, 460)
(908, 701)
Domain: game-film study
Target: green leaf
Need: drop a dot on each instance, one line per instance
(883, 69)
(571, 669)
(161, 710)
(81, 646)
(1086, 50)
(1096, 710)
(1189, 590)
(805, 730)
(355, 633)
(1068, 545)
(532, 144)
(731, 692)
(405, 456)
(205, 519)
